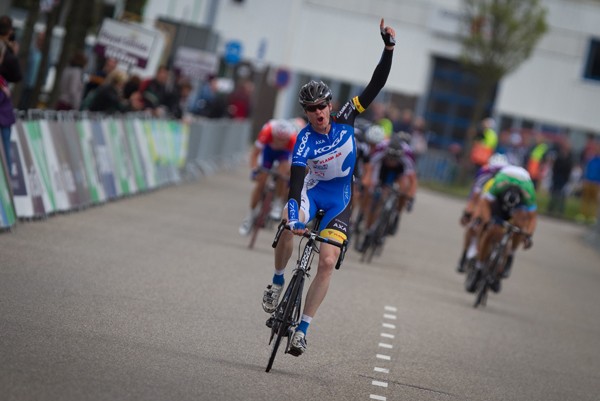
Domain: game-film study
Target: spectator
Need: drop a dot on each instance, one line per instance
(10, 68)
(536, 159)
(7, 115)
(97, 79)
(33, 66)
(561, 172)
(132, 85)
(406, 121)
(485, 143)
(590, 188)
(108, 98)
(418, 140)
(240, 100)
(155, 91)
(588, 150)
(70, 89)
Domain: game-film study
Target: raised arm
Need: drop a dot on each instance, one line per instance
(382, 70)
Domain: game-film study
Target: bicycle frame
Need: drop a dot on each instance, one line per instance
(287, 315)
(266, 202)
(491, 271)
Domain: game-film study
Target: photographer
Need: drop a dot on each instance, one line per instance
(10, 68)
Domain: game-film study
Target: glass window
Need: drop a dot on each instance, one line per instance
(592, 67)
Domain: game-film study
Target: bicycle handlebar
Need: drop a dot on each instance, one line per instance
(315, 237)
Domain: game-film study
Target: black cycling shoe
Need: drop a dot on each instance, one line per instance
(496, 286)
(507, 266)
(462, 263)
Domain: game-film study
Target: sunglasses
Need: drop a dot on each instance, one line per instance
(320, 106)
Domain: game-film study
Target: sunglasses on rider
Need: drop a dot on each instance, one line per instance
(313, 108)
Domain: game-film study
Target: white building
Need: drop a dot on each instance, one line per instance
(557, 90)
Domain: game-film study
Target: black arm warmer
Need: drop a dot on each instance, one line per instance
(378, 79)
(297, 174)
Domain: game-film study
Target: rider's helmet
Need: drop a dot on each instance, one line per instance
(395, 148)
(314, 92)
(375, 134)
(511, 197)
(498, 160)
(282, 129)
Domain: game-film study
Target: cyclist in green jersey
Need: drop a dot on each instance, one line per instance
(509, 196)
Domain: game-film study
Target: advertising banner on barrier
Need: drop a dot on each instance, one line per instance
(146, 158)
(7, 211)
(96, 190)
(64, 178)
(134, 151)
(75, 156)
(121, 160)
(40, 167)
(55, 163)
(104, 160)
(25, 180)
(155, 149)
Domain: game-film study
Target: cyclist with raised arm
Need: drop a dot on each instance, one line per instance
(496, 162)
(509, 196)
(326, 148)
(394, 167)
(275, 143)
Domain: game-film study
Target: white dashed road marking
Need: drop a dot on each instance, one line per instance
(385, 345)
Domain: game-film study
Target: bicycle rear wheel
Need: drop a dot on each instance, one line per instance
(262, 218)
(487, 276)
(286, 315)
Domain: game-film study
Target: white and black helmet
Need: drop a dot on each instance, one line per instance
(375, 134)
(313, 93)
(511, 197)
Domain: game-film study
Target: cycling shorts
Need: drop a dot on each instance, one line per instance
(270, 156)
(335, 200)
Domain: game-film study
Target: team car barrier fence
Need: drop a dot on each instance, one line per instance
(65, 161)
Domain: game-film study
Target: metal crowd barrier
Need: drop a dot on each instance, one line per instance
(66, 161)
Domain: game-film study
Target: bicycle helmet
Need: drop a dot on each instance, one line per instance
(313, 93)
(282, 129)
(498, 160)
(511, 197)
(395, 148)
(375, 134)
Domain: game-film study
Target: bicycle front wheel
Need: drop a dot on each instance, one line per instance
(286, 315)
(262, 217)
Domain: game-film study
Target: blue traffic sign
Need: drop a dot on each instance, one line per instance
(233, 52)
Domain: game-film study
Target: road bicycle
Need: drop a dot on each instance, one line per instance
(386, 224)
(492, 270)
(263, 219)
(286, 317)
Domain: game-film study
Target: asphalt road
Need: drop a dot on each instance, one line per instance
(156, 297)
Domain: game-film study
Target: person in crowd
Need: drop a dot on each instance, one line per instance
(97, 78)
(326, 149)
(418, 140)
(7, 115)
(240, 100)
(108, 97)
(70, 89)
(207, 101)
(10, 68)
(562, 166)
(155, 91)
(485, 143)
(590, 187)
(33, 66)
(406, 121)
(536, 159)
(275, 143)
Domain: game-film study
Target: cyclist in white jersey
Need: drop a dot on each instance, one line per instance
(327, 149)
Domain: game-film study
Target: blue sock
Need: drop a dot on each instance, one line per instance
(303, 326)
(278, 279)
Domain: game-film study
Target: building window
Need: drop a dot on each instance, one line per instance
(592, 66)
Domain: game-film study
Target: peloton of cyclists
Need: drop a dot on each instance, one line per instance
(496, 162)
(326, 148)
(392, 165)
(275, 143)
(509, 196)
